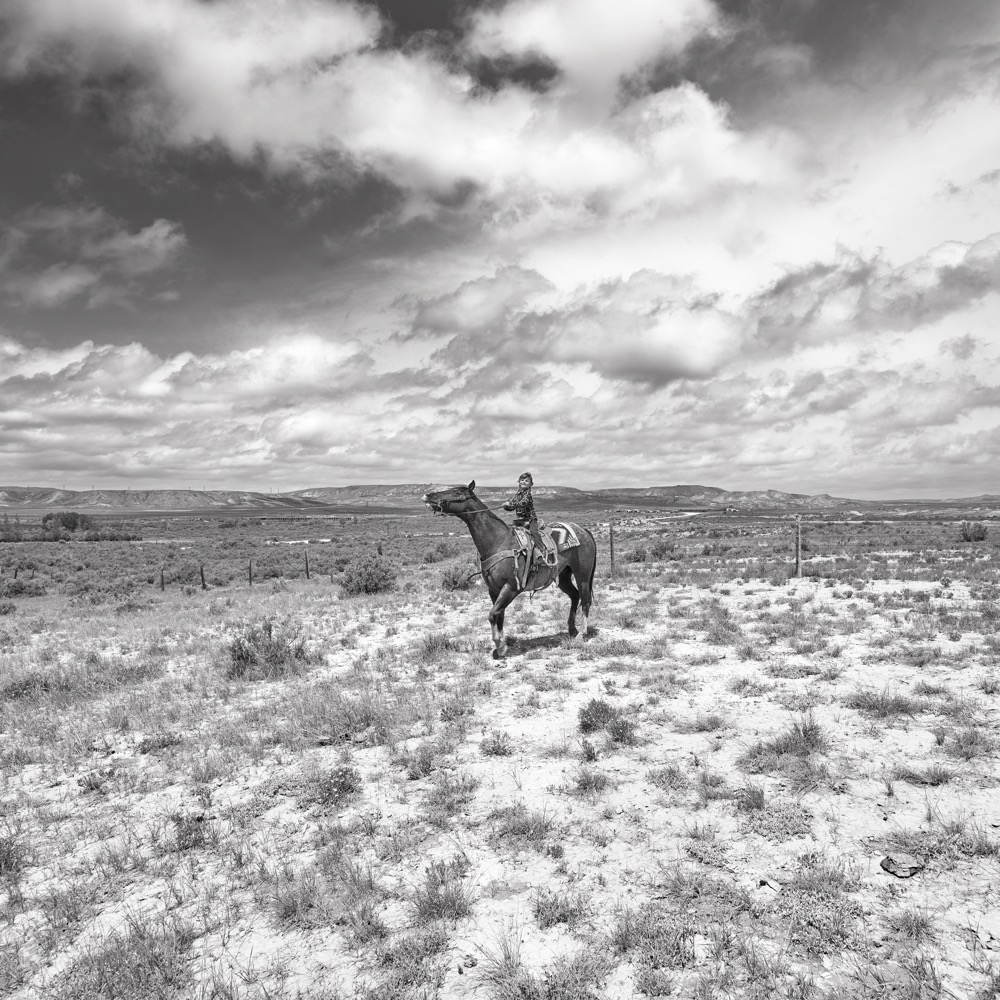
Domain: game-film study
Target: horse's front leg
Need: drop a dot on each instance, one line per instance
(506, 594)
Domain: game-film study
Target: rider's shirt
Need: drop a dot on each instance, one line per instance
(522, 504)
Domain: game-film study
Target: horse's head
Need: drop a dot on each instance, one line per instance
(451, 500)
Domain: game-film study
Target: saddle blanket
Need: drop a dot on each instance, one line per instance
(562, 535)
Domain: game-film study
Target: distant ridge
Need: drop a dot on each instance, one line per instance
(407, 496)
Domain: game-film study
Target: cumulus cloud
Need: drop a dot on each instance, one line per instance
(592, 43)
(649, 329)
(305, 84)
(823, 300)
(56, 254)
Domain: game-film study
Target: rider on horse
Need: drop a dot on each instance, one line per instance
(523, 506)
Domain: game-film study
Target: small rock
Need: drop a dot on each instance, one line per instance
(469, 961)
(901, 865)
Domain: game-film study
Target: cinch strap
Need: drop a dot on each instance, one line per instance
(491, 561)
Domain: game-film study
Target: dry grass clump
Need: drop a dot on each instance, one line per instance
(411, 964)
(970, 743)
(669, 778)
(14, 855)
(817, 907)
(146, 960)
(89, 676)
(933, 775)
(749, 687)
(804, 737)
(448, 795)
(422, 760)
(882, 704)
(551, 908)
(596, 714)
(659, 942)
(326, 713)
(446, 893)
(516, 826)
(263, 652)
(590, 782)
(333, 786)
(701, 723)
(780, 821)
(497, 744)
(572, 977)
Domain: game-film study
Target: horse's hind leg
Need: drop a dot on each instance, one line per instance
(566, 586)
(586, 596)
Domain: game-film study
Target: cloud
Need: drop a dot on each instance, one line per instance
(56, 254)
(53, 286)
(649, 330)
(593, 44)
(306, 86)
(822, 301)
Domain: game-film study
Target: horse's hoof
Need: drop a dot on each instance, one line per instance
(496, 654)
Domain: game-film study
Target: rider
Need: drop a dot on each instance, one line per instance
(523, 506)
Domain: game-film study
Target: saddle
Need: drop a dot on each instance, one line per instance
(526, 548)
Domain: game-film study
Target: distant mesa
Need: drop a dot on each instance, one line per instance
(384, 499)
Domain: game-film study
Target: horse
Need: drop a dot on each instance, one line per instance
(499, 556)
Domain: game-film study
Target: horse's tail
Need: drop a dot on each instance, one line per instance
(593, 569)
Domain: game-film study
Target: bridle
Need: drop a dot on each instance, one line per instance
(444, 513)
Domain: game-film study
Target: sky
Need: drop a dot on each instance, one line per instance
(279, 244)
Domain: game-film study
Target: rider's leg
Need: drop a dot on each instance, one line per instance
(536, 536)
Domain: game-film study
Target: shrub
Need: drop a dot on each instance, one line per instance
(622, 731)
(497, 744)
(445, 895)
(369, 574)
(332, 787)
(22, 588)
(974, 531)
(261, 653)
(7, 607)
(596, 715)
(440, 552)
(66, 520)
(458, 576)
(13, 857)
(662, 548)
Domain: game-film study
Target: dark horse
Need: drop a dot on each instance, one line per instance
(499, 559)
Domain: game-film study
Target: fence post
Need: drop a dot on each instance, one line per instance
(611, 540)
(162, 584)
(250, 572)
(204, 586)
(798, 545)
(307, 564)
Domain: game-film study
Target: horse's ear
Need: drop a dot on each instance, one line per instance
(472, 485)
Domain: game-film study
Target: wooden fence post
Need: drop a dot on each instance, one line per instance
(798, 545)
(204, 586)
(250, 572)
(307, 564)
(162, 583)
(611, 541)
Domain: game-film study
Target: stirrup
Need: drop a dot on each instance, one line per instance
(551, 557)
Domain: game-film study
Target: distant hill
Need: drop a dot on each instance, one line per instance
(407, 497)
